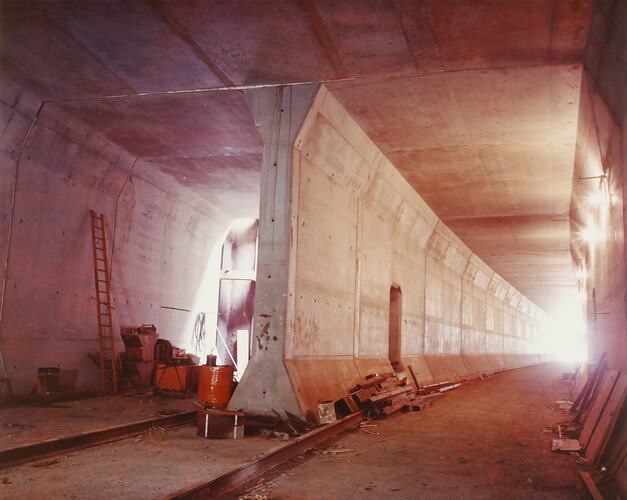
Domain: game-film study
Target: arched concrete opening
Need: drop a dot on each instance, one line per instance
(394, 331)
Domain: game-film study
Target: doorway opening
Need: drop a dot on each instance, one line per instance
(394, 341)
(236, 294)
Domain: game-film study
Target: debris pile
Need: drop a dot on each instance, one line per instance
(381, 395)
(377, 396)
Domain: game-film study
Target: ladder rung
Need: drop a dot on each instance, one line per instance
(108, 367)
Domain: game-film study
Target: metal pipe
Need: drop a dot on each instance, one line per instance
(18, 162)
(115, 216)
(228, 351)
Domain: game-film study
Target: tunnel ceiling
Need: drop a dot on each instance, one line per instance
(207, 142)
(474, 101)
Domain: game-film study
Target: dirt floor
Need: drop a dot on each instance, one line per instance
(484, 440)
(152, 465)
(21, 425)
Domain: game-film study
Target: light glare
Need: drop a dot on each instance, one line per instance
(591, 235)
(564, 333)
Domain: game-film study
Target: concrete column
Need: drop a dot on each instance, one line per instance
(278, 113)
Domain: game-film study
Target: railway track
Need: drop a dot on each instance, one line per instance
(57, 446)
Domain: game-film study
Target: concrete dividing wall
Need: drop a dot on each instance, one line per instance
(357, 228)
(161, 238)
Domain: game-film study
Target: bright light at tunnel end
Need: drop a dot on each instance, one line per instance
(565, 333)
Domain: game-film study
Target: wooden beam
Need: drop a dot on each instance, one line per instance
(590, 485)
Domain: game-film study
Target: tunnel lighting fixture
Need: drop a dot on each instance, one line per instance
(601, 197)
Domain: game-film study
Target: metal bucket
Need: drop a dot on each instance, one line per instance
(215, 385)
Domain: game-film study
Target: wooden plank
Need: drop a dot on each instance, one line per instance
(391, 393)
(397, 404)
(370, 382)
(590, 485)
(608, 419)
(599, 400)
(363, 395)
(565, 445)
(413, 376)
(583, 399)
(580, 383)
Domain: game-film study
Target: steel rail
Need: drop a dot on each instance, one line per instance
(57, 446)
(230, 481)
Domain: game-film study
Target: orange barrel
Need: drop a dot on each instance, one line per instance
(215, 385)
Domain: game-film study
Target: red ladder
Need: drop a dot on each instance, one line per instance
(108, 365)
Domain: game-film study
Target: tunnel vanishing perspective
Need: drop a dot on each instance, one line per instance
(314, 212)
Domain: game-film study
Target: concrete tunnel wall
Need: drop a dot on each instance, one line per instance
(161, 247)
(355, 228)
(602, 150)
(599, 204)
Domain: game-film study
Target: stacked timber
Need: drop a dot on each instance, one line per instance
(601, 396)
(382, 395)
(597, 408)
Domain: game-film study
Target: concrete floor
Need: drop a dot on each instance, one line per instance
(484, 440)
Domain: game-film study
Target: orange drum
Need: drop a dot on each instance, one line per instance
(215, 385)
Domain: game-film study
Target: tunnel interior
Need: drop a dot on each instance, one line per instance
(315, 193)
(172, 174)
